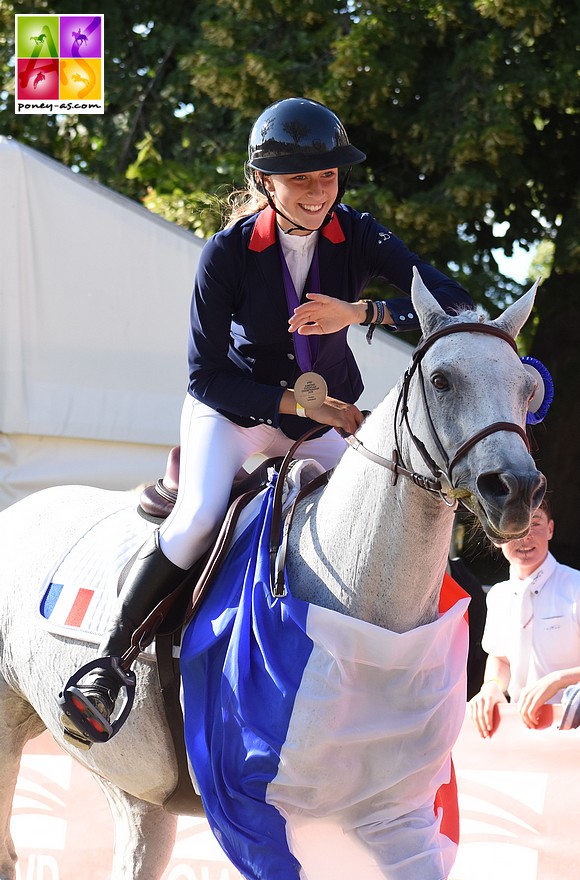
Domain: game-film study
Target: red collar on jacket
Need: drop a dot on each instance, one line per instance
(264, 232)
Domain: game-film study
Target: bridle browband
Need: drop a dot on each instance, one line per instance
(441, 483)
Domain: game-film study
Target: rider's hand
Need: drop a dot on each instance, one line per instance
(345, 417)
(482, 705)
(323, 314)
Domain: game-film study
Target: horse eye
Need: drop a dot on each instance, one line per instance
(439, 382)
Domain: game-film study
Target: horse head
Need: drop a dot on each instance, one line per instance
(469, 392)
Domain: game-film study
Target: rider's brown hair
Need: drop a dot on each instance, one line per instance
(245, 202)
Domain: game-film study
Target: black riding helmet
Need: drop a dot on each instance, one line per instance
(297, 135)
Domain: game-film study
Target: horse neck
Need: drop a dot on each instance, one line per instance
(388, 545)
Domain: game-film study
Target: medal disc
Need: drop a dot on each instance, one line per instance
(310, 390)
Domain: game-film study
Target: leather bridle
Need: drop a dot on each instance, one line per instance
(441, 482)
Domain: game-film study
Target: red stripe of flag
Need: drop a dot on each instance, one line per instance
(79, 607)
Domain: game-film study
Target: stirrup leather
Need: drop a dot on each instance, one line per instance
(84, 714)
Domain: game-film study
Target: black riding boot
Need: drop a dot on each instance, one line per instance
(151, 578)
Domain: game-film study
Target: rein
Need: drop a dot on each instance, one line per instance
(441, 483)
(279, 532)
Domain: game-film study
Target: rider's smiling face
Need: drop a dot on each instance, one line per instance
(305, 198)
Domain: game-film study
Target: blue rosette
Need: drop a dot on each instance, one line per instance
(544, 394)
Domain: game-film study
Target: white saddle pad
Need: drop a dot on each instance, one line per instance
(79, 596)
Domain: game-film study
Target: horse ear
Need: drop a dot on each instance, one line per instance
(429, 312)
(516, 315)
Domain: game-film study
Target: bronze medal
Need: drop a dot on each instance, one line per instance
(310, 390)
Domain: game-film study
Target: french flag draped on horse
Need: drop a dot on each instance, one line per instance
(320, 743)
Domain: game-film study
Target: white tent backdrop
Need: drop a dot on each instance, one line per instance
(94, 305)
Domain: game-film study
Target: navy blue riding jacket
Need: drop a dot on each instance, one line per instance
(241, 354)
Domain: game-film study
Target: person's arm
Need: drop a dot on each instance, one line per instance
(397, 264)
(345, 417)
(384, 256)
(495, 683)
(213, 377)
(326, 314)
(533, 697)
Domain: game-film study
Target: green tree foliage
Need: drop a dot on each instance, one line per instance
(468, 111)
(154, 139)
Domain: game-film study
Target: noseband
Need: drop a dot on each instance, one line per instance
(441, 483)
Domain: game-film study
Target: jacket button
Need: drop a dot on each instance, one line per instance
(283, 383)
(291, 357)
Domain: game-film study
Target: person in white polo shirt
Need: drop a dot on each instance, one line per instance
(532, 629)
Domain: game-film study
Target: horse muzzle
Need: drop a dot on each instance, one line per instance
(507, 500)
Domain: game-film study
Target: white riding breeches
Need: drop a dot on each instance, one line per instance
(213, 449)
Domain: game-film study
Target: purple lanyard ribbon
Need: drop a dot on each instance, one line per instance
(305, 347)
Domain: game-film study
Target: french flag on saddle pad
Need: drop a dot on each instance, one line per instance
(66, 605)
(321, 744)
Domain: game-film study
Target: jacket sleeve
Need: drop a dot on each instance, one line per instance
(213, 377)
(393, 261)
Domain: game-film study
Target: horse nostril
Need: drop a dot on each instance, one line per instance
(501, 486)
(495, 485)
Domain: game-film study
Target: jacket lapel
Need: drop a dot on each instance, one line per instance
(264, 231)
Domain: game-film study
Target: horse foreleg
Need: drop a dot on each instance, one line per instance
(144, 835)
(18, 723)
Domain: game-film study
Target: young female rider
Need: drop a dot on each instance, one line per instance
(274, 295)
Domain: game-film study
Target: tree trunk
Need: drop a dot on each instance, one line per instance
(557, 345)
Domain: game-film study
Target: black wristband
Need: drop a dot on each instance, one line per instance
(370, 312)
(374, 324)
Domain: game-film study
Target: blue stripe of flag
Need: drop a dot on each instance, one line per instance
(49, 600)
(242, 660)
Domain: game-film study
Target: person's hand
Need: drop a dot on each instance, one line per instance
(322, 314)
(345, 417)
(482, 705)
(533, 697)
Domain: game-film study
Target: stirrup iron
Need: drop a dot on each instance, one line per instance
(84, 714)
